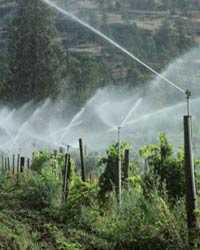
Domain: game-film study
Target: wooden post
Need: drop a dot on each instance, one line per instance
(2, 161)
(126, 165)
(90, 178)
(65, 177)
(18, 163)
(8, 161)
(61, 150)
(191, 196)
(5, 163)
(13, 164)
(55, 152)
(22, 164)
(82, 160)
(28, 163)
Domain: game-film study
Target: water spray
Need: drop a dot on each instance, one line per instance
(124, 122)
(115, 44)
(125, 51)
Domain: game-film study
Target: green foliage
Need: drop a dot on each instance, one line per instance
(32, 216)
(35, 56)
(39, 159)
(164, 168)
(86, 80)
(14, 235)
(40, 190)
(81, 194)
(140, 223)
(59, 240)
(5, 180)
(41, 187)
(108, 180)
(135, 183)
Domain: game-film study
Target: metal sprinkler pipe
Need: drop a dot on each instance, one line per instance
(188, 95)
(190, 192)
(119, 172)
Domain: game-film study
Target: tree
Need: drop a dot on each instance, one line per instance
(166, 39)
(34, 53)
(185, 38)
(86, 75)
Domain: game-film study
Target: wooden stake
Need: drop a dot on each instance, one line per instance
(22, 164)
(82, 160)
(8, 160)
(2, 162)
(65, 177)
(13, 164)
(18, 163)
(28, 163)
(5, 160)
(55, 152)
(126, 165)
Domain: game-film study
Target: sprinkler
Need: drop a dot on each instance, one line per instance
(191, 193)
(119, 188)
(188, 95)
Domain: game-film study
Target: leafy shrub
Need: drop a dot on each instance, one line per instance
(5, 181)
(108, 180)
(164, 168)
(14, 235)
(40, 191)
(81, 194)
(40, 158)
(60, 242)
(141, 223)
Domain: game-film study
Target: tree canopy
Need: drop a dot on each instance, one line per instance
(35, 55)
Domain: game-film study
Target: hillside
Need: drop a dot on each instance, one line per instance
(144, 26)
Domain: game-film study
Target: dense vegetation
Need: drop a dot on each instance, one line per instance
(152, 214)
(35, 60)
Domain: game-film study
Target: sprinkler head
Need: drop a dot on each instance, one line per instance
(188, 93)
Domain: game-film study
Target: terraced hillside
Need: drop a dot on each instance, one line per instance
(139, 30)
